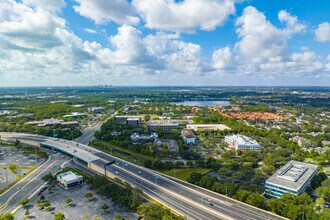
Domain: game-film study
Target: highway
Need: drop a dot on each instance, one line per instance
(29, 184)
(88, 132)
(191, 201)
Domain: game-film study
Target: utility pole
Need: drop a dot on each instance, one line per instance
(35, 151)
(6, 172)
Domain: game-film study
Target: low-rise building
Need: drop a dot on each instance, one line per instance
(69, 179)
(241, 142)
(97, 110)
(165, 125)
(133, 120)
(137, 136)
(188, 136)
(294, 177)
(197, 127)
(75, 115)
(53, 121)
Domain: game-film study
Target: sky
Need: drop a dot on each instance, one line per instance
(165, 42)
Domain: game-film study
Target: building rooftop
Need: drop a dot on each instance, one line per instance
(293, 175)
(187, 133)
(242, 140)
(68, 176)
(164, 122)
(207, 126)
(127, 116)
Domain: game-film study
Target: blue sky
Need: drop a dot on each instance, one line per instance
(165, 42)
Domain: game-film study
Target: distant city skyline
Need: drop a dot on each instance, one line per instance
(164, 43)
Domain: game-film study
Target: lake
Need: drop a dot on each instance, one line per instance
(202, 103)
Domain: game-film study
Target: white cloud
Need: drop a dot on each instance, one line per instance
(48, 5)
(222, 58)
(104, 11)
(91, 31)
(322, 32)
(186, 15)
(261, 41)
(37, 48)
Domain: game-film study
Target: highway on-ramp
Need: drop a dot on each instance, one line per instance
(29, 185)
(189, 200)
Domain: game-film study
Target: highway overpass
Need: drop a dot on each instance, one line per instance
(189, 200)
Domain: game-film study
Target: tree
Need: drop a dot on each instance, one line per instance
(194, 178)
(242, 195)
(104, 207)
(255, 199)
(12, 167)
(118, 216)
(24, 202)
(6, 216)
(68, 201)
(27, 212)
(59, 216)
(17, 142)
(88, 195)
(324, 192)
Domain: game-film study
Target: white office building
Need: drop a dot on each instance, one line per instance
(241, 142)
(294, 177)
(69, 179)
(188, 136)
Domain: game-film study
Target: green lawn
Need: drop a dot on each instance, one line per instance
(184, 173)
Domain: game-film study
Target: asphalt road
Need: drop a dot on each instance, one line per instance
(30, 184)
(195, 200)
(191, 201)
(88, 133)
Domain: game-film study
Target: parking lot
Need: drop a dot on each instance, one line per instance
(18, 157)
(80, 207)
(12, 156)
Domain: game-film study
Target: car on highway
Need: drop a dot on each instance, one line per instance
(139, 172)
(19, 188)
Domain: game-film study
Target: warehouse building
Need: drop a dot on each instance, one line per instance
(294, 177)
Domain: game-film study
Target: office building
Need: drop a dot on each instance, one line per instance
(75, 115)
(241, 142)
(294, 177)
(165, 125)
(69, 179)
(97, 110)
(53, 121)
(213, 127)
(132, 120)
(188, 136)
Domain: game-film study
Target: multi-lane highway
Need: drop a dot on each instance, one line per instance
(29, 185)
(189, 200)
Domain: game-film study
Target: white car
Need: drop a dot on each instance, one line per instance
(139, 172)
